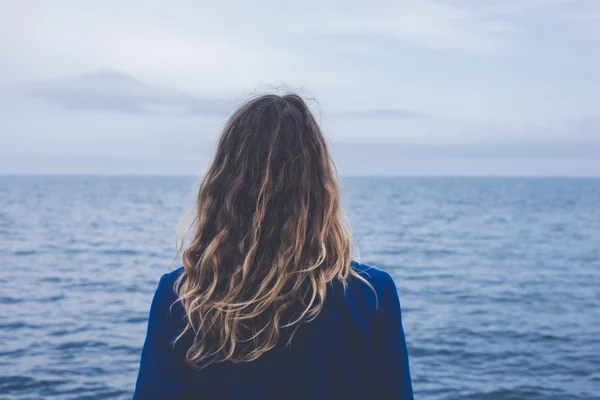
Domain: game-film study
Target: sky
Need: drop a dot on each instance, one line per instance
(421, 87)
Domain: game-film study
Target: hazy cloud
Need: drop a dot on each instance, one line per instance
(376, 113)
(590, 125)
(115, 91)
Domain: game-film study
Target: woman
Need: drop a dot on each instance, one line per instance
(268, 304)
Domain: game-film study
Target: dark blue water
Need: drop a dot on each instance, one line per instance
(499, 280)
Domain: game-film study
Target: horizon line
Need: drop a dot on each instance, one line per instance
(198, 176)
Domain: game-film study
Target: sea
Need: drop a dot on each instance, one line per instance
(499, 280)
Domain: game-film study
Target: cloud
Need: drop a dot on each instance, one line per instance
(378, 113)
(590, 125)
(436, 25)
(115, 91)
(491, 27)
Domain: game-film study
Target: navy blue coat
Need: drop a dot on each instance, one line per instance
(354, 349)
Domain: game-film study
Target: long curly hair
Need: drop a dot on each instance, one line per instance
(268, 235)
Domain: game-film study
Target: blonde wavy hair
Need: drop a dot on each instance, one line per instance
(268, 235)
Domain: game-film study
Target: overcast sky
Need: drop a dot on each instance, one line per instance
(421, 87)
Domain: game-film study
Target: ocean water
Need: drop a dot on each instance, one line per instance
(499, 280)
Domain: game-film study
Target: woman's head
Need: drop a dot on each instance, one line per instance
(268, 234)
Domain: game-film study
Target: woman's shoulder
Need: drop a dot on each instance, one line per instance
(171, 277)
(378, 279)
(365, 290)
(166, 294)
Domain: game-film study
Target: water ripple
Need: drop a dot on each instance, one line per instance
(498, 280)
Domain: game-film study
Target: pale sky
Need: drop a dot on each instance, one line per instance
(421, 87)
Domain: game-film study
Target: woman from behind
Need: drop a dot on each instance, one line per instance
(268, 303)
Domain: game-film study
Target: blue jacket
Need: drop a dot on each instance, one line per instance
(354, 349)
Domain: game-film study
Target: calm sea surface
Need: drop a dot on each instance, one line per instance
(499, 280)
